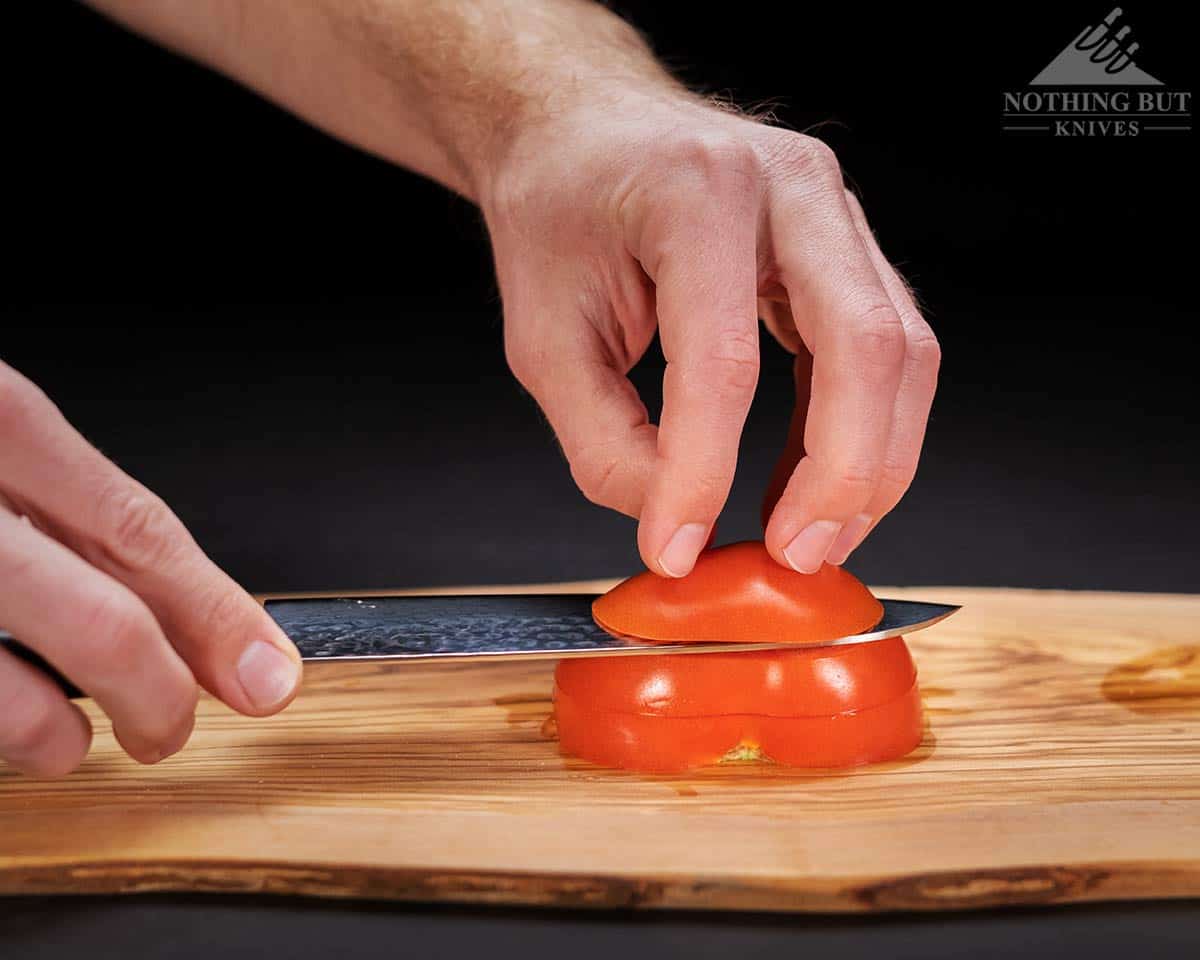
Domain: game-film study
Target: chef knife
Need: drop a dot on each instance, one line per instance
(492, 627)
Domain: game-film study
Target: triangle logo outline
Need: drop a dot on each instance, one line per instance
(1101, 55)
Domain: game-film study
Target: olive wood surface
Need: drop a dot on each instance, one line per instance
(1061, 762)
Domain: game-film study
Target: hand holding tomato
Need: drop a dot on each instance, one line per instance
(648, 210)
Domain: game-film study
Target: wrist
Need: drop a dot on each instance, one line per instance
(594, 123)
(583, 67)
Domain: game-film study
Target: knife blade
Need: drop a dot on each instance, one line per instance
(491, 627)
(504, 626)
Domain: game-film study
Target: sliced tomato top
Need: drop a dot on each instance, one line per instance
(739, 594)
(812, 682)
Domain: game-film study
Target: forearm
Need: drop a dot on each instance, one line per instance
(438, 86)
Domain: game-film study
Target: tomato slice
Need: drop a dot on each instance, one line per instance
(805, 682)
(827, 706)
(739, 594)
(675, 744)
(819, 707)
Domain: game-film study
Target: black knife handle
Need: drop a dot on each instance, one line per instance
(22, 652)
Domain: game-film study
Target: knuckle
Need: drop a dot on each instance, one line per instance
(811, 158)
(819, 153)
(924, 348)
(710, 488)
(524, 364)
(142, 531)
(895, 477)
(854, 483)
(593, 469)
(733, 363)
(717, 158)
(879, 338)
(223, 608)
(117, 630)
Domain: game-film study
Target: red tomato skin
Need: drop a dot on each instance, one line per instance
(739, 594)
(650, 744)
(711, 710)
(806, 681)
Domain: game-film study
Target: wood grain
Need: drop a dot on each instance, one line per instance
(1061, 763)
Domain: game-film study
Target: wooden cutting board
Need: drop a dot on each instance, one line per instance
(1061, 763)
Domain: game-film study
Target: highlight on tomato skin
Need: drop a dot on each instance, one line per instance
(738, 593)
(828, 707)
(801, 682)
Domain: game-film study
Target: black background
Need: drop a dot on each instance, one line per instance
(298, 345)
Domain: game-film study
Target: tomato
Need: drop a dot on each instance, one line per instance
(739, 594)
(812, 707)
(827, 706)
(806, 682)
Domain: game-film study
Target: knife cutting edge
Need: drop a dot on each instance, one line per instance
(492, 627)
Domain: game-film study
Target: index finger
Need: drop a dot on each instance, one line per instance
(235, 650)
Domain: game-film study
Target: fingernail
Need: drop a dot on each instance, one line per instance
(682, 550)
(808, 548)
(267, 674)
(852, 533)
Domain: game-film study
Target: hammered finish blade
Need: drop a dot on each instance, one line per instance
(508, 626)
